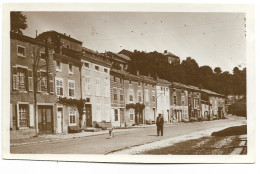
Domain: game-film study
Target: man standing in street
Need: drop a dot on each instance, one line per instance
(159, 124)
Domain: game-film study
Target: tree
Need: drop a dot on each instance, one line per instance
(18, 22)
(217, 70)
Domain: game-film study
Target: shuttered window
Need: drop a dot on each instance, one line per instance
(59, 87)
(15, 79)
(71, 88)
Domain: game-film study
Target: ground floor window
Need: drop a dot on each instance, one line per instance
(23, 115)
(116, 115)
(131, 114)
(72, 115)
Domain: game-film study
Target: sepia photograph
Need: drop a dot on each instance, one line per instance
(163, 85)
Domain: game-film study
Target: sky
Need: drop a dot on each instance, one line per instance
(213, 39)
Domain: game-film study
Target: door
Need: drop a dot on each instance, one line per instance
(88, 115)
(45, 121)
(122, 116)
(59, 120)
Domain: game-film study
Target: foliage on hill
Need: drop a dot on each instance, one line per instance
(188, 72)
(238, 108)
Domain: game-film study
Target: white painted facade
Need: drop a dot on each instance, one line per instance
(163, 101)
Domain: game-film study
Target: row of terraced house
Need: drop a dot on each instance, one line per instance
(66, 72)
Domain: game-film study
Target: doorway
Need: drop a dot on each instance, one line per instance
(60, 120)
(88, 115)
(45, 119)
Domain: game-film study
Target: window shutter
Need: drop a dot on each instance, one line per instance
(39, 81)
(15, 87)
(51, 86)
(31, 115)
(61, 90)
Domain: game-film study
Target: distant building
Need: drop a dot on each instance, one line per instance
(117, 80)
(163, 98)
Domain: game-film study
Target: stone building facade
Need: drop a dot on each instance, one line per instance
(95, 77)
(163, 98)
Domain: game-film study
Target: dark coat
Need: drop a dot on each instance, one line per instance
(159, 121)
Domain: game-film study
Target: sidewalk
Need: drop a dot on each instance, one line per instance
(59, 137)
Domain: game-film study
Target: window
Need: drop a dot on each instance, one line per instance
(146, 95)
(97, 68)
(42, 81)
(139, 96)
(194, 102)
(121, 81)
(86, 65)
(42, 55)
(19, 78)
(115, 94)
(107, 88)
(139, 83)
(121, 95)
(87, 85)
(161, 88)
(166, 89)
(30, 80)
(116, 115)
(131, 114)
(68, 46)
(130, 82)
(24, 115)
(72, 115)
(59, 87)
(97, 87)
(71, 88)
(20, 51)
(105, 70)
(131, 97)
(70, 68)
(174, 100)
(58, 65)
(114, 79)
(182, 99)
(153, 96)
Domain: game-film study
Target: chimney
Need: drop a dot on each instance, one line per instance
(36, 33)
(135, 51)
(165, 51)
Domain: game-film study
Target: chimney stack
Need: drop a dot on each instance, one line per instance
(165, 51)
(36, 33)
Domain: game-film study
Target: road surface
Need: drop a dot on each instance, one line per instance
(100, 144)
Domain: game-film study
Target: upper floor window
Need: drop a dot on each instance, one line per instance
(121, 95)
(71, 88)
(97, 68)
(86, 65)
(174, 100)
(70, 68)
(105, 70)
(68, 46)
(139, 83)
(115, 94)
(20, 50)
(130, 82)
(139, 96)
(58, 65)
(59, 87)
(42, 55)
(42, 84)
(121, 81)
(19, 78)
(153, 96)
(114, 79)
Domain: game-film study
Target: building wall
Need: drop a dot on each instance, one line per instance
(149, 92)
(96, 87)
(205, 110)
(22, 119)
(163, 101)
(118, 103)
(64, 74)
(179, 110)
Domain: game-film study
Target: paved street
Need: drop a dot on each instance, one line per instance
(100, 144)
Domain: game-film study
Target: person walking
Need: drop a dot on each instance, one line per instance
(159, 124)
